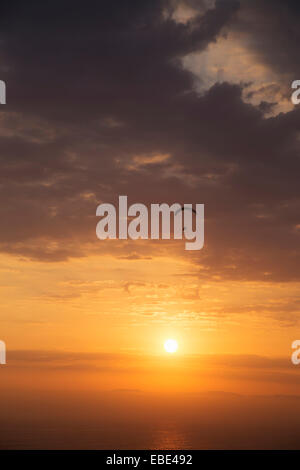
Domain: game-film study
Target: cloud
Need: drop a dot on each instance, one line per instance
(105, 107)
(243, 367)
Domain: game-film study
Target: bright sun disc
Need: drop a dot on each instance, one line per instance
(171, 345)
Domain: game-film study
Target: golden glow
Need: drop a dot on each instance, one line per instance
(171, 346)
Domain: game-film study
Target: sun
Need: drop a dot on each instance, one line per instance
(171, 346)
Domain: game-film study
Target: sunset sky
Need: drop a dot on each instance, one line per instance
(184, 101)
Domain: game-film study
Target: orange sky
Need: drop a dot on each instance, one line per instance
(128, 308)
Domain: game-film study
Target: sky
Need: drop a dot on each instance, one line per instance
(185, 101)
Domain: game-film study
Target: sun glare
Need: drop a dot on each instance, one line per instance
(171, 345)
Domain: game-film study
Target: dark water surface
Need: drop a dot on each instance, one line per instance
(134, 420)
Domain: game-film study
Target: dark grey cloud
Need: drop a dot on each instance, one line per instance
(101, 83)
(271, 29)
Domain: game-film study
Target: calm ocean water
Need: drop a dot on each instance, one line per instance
(118, 420)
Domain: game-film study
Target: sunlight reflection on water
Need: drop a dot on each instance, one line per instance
(169, 438)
